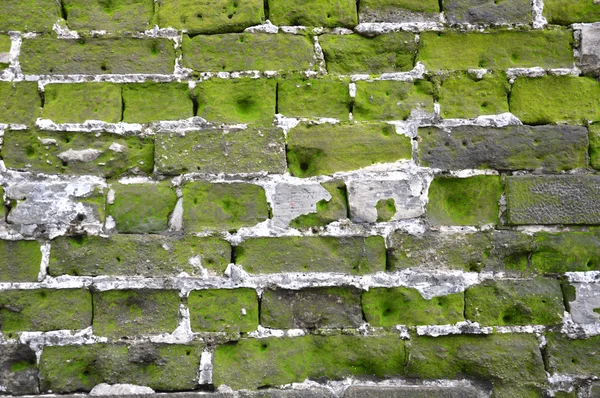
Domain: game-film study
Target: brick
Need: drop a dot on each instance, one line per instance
(349, 255)
(248, 51)
(138, 255)
(151, 102)
(566, 12)
(72, 103)
(573, 356)
(227, 206)
(391, 100)
(252, 363)
(398, 10)
(412, 391)
(487, 12)
(223, 310)
(463, 96)
(347, 54)
(555, 99)
(589, 61)
(5, 45)
(104, 154)
(508, 390)
(163, 367)
(142, 208)
(199, 17)
(566, 252)
(496, 50)
(517, 147)
(129, 313)
(28, 15)
(583, 302)
(311, 392)
(326, 13)
(594, 150)
(319, 307)
(20, 102)
(464, 201)
(18, 370)
(120, 15)
(326, 148)
(313, 98)
(19, 261)
(515, 302)
(327, 211)
(237, 101)
(43, 310)
(553, 199)
(97, 56)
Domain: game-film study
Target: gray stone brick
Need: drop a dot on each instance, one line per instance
(412, 391)
(590, 50)
(487, 11)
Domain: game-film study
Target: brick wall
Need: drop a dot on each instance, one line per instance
(322, 198)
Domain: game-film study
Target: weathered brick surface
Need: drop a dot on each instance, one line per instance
(28, 15)
(223, 310)
(19, 261)
(329, 13)
(589, 61)
(414, 391)
(565, 12)
(20, 103)
(594, 151)
(573, 356)
(18, 371)
(327, 211)
(313, 98)
(487, 11)
(5, 46)
(566, 252)
(391, 100)
(72, 103)
(150, 102)
(120, 15)
(397, 10)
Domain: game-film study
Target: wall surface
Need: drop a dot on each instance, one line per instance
(300, 198)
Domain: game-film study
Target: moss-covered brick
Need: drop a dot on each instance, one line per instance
(507, 389)
(517, 147)
(5, 45)
(555, 99)
(127, 313)
(237, 101)
(397, 10)
(515, 302)
(327, 13)
(28, 15)
(553, 199)
(328, 211)
(567, 12)
(514, 358)
(496, 50)
(113, 15)
(45, 309)
(48, 56)
(566, 252)
(142, 208)
(151, 102)
(20, 103)
(577, 357)
(463, 96)
(72, 103)
(19, 260)
(594, 141)
(18, 370)
(247, 51)
(215, 151)
(349, 255)
(391, 100)
(487, 11)
(389, 307)
(225, 206)
(252, 363)
(464, 201)
(223, 310)
(329, 148)
(104, 154)
(318, 307)
(313, 98)
(138, 255)
(386, 208)
(347, 54)
(163, 367)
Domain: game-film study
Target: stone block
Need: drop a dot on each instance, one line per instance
(28, 15)
(566, 252)
(76, 103)
(223, 310)
(584, 304)
(20, 103)
(326, 13)
(391, 100)
(326, 210)
(463, 96)
(18, 370)
(313, 98)
(398, 11)
(594, 141)
(577, 357)
(312, 392)
(114, 16)
(20, 261)
(487, 12)
(412, 391)
(567, 12)
(151, 102)
(589, 61)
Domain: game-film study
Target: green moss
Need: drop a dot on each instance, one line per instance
(19, 261)
(5, 45)
(496, 49)
(556, 99)
(510, 390)
(327, 210)
(21, 366)
(20, 103)
(594, 151)
(151, 102)
(386, 209)
(236, 101)
(573, 356)
(72, 103)
(347, 54)
(142, 208)
(223, 310)
(464, 201)
(327, 13)
(110, 15)
(567, 12)
(28, 15)
(222, 206)
(462, 96)
(389, 307)
(391, 100)
(566, 252)
(313, 98)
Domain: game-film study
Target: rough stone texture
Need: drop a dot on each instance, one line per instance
(97, 56)
(584, 305)
(487, 11)
(214, 151)
(594, 149)
(551, 148)
(391, 100)
(19, 261)
(347, 54)
(120, 15)
(325, 211)
(326, 148)
(566, 252)
(130, 313)
(44, 309)
(223, 310)
(327, 13)
(239, 52)
(18, 371)
(320, 307)
(19, 102)
(398, 10)
(589, 60)
(564, 199)
(350, 255)
(151, 102)
(73, 103)
(224, 206)
(313, 392)
(252, 363)
(496, 50)
(28, 15)
(313, 98)
(389, 307)
(573, 356)
(142, 208)
(566, 12)
(412, 391)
